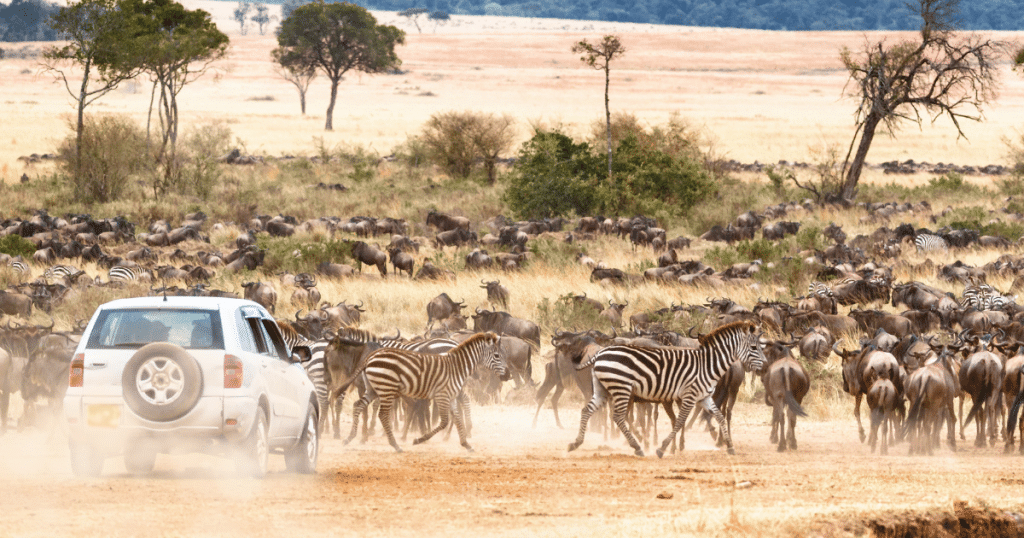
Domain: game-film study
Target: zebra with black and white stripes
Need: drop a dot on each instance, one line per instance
(819, 289)
(312, 357)
(124, 273)
(60, 272)
(669, 374)
(930, 243)
(20, 267)
(394, 372)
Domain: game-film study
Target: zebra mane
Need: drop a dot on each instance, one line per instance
(475, 340)
(703, 339)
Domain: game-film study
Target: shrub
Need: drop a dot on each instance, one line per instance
(113, 150)
(553, 176)
(202, 148)
(565, 313)
(16, 245)
(950, 181)
(298, 255)
(459, 140)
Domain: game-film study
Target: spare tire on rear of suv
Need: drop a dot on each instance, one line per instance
(161, 382)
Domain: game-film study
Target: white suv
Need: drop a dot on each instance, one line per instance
(188, 374)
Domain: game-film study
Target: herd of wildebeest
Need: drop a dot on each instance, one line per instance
(909, 346)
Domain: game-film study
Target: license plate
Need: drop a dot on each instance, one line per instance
(103, 415)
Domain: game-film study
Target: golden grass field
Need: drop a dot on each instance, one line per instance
(763, 96)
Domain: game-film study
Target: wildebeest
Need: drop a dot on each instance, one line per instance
(445, 222)
(497, 295)
(401, 261)
(502, 323)
(613, 313)
(15, 304)
(860, 368)
(442, 307)
(786, 383)
(456, 237)
(930, 391)
(370, 255)
(261, 292)
(478, 259)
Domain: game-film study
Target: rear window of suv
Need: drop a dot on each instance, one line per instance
(134, 328)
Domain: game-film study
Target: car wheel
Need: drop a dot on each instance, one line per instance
(85, 460)
(302, 458)
(255, 449)
(161, 382)
(140, 459)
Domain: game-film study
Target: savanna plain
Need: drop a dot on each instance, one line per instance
(754, 96)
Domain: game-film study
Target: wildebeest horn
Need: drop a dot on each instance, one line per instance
(360, 307)
(398, 334)
(297, 315)
(478, 310)
(484, 283)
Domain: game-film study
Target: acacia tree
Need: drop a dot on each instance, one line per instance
(335, 39)
(177, 46)
(241, 14)
(99, 40)
(413, 14)
(599, 56)
(941, 74)
(300, 72)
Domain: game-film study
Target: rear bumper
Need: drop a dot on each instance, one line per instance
(110, 426)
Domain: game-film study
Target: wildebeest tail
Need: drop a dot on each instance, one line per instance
(983, 396)
(914, 415)
(791, 402)
(1011, 417)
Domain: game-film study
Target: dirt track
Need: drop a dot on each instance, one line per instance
(519, 482)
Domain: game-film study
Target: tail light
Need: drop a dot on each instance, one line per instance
(232, 372)
(77, 372)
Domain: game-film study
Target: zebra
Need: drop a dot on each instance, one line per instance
(819, 289)
(19, 266)
(397, 372)
(419, 409)
(123, 273)
(61, 272)
(312, 357)
(670, 374)
(930, 243)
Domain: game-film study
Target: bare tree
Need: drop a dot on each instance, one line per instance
(262, 17)
(299, 72)
(943, 74)
(600, 56)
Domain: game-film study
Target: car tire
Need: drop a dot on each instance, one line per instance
(86, 461)
(161, 382)
(140, 459)
(255, 449)
(302, 458)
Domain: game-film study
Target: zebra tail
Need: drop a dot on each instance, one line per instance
(791, 402)
(1011, 417)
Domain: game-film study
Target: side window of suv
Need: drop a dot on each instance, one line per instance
(275, 340)
(258, 335)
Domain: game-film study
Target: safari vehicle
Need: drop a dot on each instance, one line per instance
(188, 374)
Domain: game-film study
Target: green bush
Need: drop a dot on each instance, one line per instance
(16, 245)
(299, 255)
(553, 252)
(553, 176)
(964, 218)
(950, 181)
(113, 151)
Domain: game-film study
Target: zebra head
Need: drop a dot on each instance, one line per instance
(751, 349)
(494, 359)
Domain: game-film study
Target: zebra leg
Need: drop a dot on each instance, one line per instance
(467, 417)
(357, 408)
(685, 405)
(620, 414)
(385, 420)
(337, 400)
(444, 405)
(723, 428)
(460, 425)
(596, 402)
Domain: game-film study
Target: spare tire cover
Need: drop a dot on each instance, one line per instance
(161, 382)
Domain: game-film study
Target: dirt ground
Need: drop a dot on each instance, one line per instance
(520, 481)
